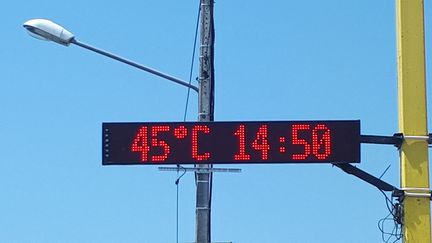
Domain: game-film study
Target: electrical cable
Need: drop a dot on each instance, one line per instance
(177, 182)
(381, 227)
(211, 109)
(192, 62)
(177, 199)
(396, 232)
(388, 200)
(177, 204)
(212, 95)
(388, 167)
(210, 61)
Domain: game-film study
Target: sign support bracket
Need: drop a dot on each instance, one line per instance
(199, 169)
(363, 175)
(396, 140)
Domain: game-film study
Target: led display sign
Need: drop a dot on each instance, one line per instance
(231, 142)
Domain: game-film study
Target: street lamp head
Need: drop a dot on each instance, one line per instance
(47, 30)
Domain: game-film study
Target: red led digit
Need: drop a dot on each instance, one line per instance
(199, 128)
(155, 142)
(297, 141)
(242, 155)
(282, 149)
(140, 143)
(321, 147)
(261, 142)
(180, 132)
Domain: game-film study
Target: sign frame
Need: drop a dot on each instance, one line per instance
(231, 142)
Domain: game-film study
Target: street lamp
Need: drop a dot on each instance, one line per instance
(47, 30)
(44, 29)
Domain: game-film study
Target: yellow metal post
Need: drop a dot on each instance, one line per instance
(414, 164)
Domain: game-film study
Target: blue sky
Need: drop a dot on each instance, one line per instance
(278, 60)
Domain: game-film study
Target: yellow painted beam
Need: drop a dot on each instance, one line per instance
(414, 163)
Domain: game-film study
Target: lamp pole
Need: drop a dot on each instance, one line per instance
(206, 114)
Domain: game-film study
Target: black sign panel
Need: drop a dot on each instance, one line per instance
(231, 142)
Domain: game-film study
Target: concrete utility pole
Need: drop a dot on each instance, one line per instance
(414, 164)
(206, 112)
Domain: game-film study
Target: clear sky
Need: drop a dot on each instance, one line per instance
(275, 60)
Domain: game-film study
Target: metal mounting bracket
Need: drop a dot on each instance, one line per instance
(363, 175)
(199, 169)
(396, 140)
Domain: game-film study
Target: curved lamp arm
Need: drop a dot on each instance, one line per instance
(47, 30)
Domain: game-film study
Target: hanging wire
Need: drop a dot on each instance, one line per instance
(192, 63)
(212, 89)
(211, 49)
(177, 182)
(385, 171)
(396, 232)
